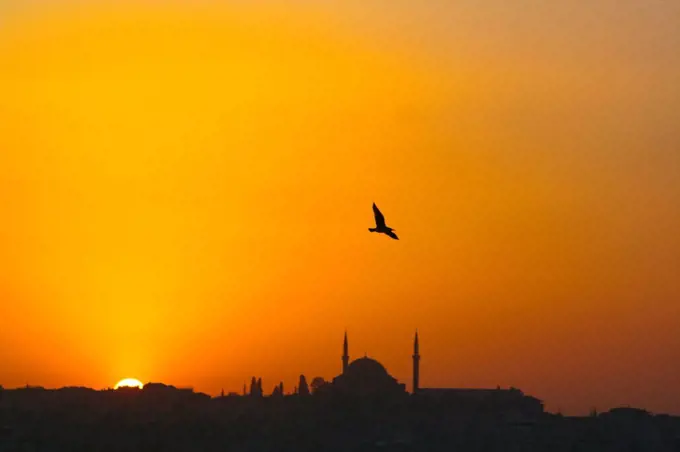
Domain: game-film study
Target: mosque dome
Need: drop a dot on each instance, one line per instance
(366, 376)
(367, 367)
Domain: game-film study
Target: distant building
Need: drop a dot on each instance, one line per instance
(511, 399)
(366, 377)
(626, 413)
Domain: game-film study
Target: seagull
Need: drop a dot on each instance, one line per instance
(380, 225)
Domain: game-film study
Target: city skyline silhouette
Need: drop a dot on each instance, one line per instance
(362, 408)
(365, 370)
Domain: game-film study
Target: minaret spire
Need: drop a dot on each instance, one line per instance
(416, 365)
(345, 354)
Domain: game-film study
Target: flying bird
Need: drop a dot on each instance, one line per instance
(380, 225)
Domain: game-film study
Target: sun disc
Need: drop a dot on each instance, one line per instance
(129, 383)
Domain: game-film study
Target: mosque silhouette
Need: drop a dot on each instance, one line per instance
(366, 378)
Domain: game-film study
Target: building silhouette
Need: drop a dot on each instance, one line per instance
(367, 378)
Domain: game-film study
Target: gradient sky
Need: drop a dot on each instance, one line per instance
(185, 193)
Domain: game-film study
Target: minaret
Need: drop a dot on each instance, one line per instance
(416, 365)
(345, 355)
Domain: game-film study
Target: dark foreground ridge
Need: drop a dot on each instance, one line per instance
(164, 418)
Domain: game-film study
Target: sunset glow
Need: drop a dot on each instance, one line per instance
(186, 187)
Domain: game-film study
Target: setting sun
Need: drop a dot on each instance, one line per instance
(129, 383)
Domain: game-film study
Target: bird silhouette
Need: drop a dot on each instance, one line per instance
(380, 225)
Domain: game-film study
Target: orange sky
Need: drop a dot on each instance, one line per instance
(185, 193)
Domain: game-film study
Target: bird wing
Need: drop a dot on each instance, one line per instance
(392, 234)
(379, 218)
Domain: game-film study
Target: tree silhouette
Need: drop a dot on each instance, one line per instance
(303, 387)
(256, 387)
(318, 383)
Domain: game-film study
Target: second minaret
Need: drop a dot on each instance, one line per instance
(345, 355)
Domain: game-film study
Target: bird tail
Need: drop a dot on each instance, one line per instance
(372, 229)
